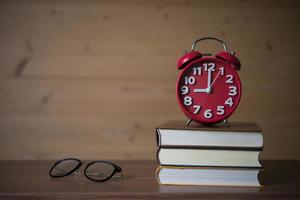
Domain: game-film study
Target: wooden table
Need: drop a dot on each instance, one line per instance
(30, 180)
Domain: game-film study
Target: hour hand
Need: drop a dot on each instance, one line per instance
(201, 90)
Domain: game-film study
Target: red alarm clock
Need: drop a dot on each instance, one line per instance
(208, 87)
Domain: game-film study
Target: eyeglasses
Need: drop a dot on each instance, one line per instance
(98, 171)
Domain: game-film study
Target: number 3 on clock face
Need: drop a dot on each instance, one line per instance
(208, 90)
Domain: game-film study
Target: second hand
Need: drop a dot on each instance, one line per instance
(215, 79)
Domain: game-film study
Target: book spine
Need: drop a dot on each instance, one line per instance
(157, 171)
(157, 156)
(158, 137)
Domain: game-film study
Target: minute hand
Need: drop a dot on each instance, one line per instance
(209, 81)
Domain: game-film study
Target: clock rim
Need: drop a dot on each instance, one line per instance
(181, 104)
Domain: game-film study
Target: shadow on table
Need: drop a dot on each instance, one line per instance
(279, 172)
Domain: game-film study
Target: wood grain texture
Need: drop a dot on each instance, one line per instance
(30, 180)
(94, 78)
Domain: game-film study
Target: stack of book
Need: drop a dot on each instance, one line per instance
(209, 155)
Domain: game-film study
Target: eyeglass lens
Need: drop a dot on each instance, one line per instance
(99, 171)
(64, 167)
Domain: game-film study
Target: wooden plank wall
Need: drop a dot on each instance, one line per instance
(92, 79)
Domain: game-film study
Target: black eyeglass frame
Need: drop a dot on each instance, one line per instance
(116, 169)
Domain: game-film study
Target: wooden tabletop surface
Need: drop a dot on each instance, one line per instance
(30, 180)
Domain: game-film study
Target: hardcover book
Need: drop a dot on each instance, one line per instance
(208, 157)
(210, 176)
(239, 135)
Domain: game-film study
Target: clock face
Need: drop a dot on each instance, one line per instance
(208, 90)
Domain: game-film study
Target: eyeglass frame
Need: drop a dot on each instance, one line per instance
(117, 169)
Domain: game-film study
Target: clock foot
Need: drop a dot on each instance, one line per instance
(226, 123)
(187, 123)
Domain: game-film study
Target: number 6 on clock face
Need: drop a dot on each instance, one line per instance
(208, 90)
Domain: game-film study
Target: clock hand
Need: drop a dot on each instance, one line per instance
(208, 89)
(200, 90)
(215, 79)
(209, 84)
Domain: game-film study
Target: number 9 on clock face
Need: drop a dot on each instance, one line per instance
(208, 90)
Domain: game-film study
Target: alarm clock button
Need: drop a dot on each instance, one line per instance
(188, 58)
(230, 59)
